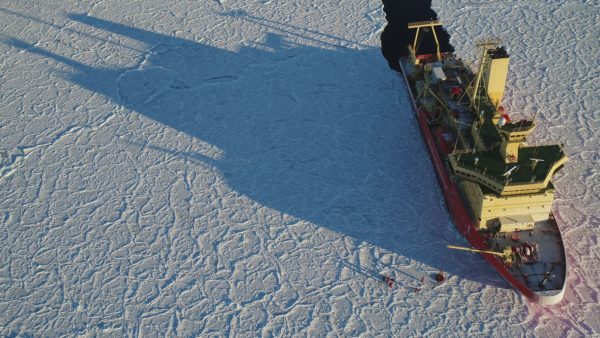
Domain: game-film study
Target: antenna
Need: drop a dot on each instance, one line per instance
(535, 162)
(476, 141)
(509, 171)
(535, 115)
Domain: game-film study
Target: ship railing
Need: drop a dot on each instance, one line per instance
(496, 179)
(495, 183)
(462, 151)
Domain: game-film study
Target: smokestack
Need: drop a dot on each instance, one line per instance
(495, 74)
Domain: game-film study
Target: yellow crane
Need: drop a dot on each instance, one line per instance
(426, 24)
(506, 254)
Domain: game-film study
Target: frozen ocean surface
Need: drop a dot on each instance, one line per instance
(251, 168)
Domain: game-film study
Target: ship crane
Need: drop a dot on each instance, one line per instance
(426, 24)
(506, 255)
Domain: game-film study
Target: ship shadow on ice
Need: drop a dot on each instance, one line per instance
(295, 136)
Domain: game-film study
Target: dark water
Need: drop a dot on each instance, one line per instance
(396, 35)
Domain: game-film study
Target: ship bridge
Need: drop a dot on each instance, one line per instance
(531, 173)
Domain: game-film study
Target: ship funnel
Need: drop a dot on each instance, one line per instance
(495, 72)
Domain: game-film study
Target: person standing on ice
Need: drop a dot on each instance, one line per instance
(389, 281)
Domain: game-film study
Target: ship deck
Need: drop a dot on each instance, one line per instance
(528, 169)
(551, 265)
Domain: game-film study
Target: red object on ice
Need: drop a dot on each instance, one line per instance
(389, 281)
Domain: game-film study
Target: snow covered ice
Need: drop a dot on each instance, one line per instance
(251, 168)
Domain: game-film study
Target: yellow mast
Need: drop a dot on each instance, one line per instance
(484, 46)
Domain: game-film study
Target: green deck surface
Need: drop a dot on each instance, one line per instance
(493, 165)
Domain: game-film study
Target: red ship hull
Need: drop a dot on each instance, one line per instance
(456, 207)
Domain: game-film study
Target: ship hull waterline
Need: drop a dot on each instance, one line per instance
(458, 211)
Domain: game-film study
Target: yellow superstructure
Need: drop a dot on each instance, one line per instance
(494, 75)
(511, 142)
(507, 184)
(512, 212)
